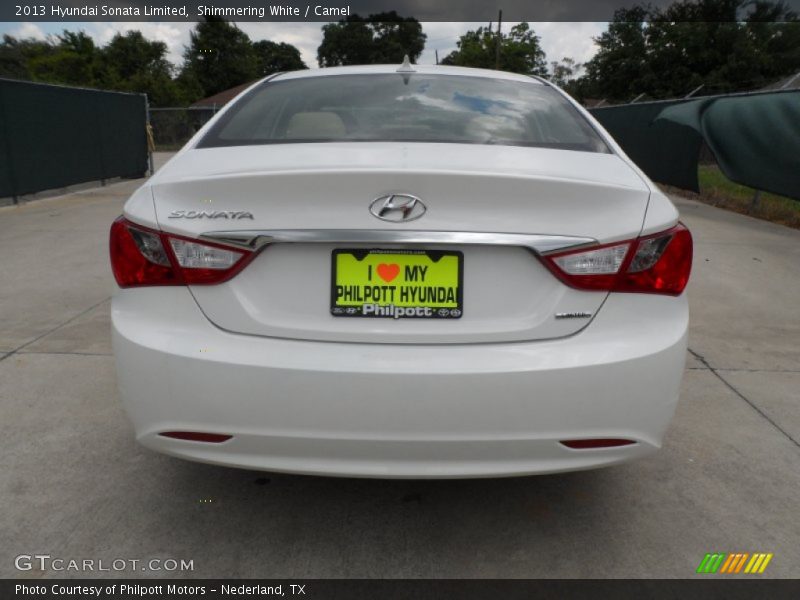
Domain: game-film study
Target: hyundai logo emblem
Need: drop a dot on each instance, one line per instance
(397, 208)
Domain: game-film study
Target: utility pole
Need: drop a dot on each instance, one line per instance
(437, 56)
(499, 39)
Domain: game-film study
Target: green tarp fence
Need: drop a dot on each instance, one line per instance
(667, 152)
(754, 137)
(54, 136)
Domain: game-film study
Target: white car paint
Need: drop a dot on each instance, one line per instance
(260, 358)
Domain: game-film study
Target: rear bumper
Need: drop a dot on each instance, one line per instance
(399, 410)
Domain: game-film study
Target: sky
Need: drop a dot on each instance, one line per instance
(558, 40)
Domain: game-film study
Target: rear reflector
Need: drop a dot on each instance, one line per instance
(655, 264)
(596, 443)
(143, 256)
(197, 436)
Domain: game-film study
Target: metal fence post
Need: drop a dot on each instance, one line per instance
(756, 200)
(790, 81)
(146, 126)
(694, 91)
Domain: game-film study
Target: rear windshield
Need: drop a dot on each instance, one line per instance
(404, 108)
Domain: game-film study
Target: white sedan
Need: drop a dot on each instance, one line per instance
(401, 272)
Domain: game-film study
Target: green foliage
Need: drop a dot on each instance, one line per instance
(667, 53)
(132, 63)
(128, 63)
(15, 55)
(564, 72)
(73, 61)
(347, 42)
(383, 38)
(520, 51)
(273, 57)
(219, 56)
(189, 87)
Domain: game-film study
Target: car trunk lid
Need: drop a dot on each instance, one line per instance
(483, 202)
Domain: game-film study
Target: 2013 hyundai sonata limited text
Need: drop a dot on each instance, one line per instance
(409, 271)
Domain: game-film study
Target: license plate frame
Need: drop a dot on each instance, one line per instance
(445, 301)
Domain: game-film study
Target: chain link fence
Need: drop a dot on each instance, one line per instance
(173, 127)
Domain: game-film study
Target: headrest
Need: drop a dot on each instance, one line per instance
(315, 125)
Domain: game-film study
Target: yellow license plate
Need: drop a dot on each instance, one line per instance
(395, 284)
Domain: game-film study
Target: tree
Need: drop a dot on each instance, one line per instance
(620, 59)
(563, 72)
(131, 63)
(219, 56)
(383, 38)
(73, 59)
(394, 37)
(348, 42)
(189, 87)
(273, 57)
(699, 42)
(776, 33)
(520, 51)
(714, 43)
(15, 55)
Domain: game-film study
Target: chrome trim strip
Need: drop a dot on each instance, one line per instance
(254, 239)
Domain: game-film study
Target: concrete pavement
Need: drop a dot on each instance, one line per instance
(74, 484)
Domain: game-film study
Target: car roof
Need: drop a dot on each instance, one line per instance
(393, 68)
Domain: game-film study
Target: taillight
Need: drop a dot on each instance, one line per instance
(138, 257)
(144, 256)
(656, 264)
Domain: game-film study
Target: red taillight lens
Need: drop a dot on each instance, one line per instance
(142, 256)
(138, 257)
(661, 265)
(656, 264)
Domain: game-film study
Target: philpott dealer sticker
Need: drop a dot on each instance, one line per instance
(396, 284)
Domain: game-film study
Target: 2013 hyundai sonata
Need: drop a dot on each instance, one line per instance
(401, 272)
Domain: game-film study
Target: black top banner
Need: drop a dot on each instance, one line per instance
(328, 10)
